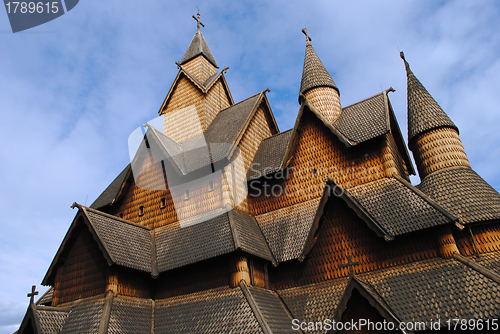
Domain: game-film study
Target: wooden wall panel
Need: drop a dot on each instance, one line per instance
(487, 237)
(83, 274)
(438, 149)
(319, 155)
(343, 233)
(215, 101)
(196, 277)
(200, 68)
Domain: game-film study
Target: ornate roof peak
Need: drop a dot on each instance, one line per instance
(198, 46)
(314, 73)
(424, 113)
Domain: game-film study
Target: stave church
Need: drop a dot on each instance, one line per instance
(222, 223)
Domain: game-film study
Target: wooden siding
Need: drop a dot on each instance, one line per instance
(319, 155)
(196, 277)
(200, 68)
(438, 149)
(486, 236)
(83, 274)
(216, 100)
(326, 100)
(343, 233)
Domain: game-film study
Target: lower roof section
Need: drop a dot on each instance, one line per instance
(422, 292)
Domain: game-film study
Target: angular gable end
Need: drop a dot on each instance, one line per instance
(361, 302)
(80, 225)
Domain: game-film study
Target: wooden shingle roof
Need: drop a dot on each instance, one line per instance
(462, 192)
(424, 113)
(198, 47)
(314, 73)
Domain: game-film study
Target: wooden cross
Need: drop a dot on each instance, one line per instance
(32, 294)
(308, 39)
(350, 264)
(197, 19)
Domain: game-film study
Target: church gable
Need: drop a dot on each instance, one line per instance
(83, 272)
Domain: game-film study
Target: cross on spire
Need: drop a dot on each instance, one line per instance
(32, 294)
(308, 39)
(197, 19)
(350, 264)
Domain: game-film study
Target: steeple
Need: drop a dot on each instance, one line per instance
(432, 136)
(317, 85)
(198, 46)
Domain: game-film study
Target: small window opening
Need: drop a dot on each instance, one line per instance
(314, 171)
(163, 203)
(141, 210)
(210, 185)
(186, 195)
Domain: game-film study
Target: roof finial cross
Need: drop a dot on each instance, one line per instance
(308, 39)
(32, 294)
(350, 264)
(197, 19)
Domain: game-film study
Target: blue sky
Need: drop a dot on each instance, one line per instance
(72, 91)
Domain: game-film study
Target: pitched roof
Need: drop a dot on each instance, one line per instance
(132, 246)
(111, 193)
(51, 321)
(178, 246)
(462, 192)
(127, 244)
(131, 315)
(121, 242)
(366, 119)
(269, 156)
(287, 229)
(444, 289)
(314, 302)
(424, 113)
(314, 74)
(84, 316)
(198, 47)
(397, 207)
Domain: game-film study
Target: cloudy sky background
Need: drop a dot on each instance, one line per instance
(72, 90)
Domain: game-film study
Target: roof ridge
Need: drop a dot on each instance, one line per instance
(276, 134)
(109, 216)
(390, 89)
(428, 199)
(248, 98)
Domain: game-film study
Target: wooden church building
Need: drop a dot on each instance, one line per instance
(243, 228)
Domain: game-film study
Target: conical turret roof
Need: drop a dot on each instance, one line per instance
(314, 74)
(424, 113)
(198, 47)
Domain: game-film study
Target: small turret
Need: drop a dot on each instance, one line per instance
(432, 136)
(317, 85)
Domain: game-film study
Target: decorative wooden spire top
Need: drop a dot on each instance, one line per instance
(197, 19)
(308, 39)
(198, 46)
(424, 113)
(314, 74)
(32, 294)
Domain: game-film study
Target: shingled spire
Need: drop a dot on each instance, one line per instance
(198, 46)
(424, 113)
(432, 136)
(317, 85)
